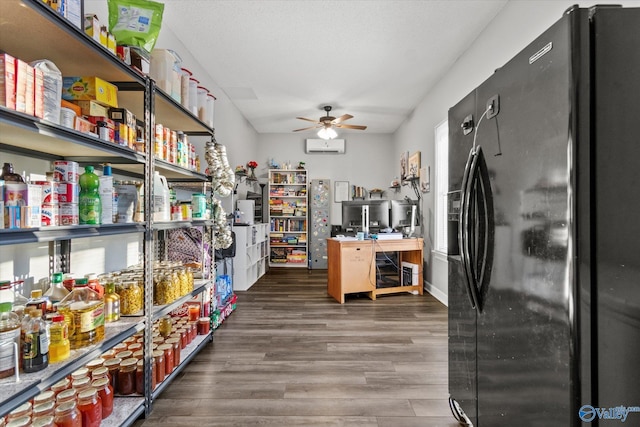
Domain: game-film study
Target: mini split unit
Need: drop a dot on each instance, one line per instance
(325, 146)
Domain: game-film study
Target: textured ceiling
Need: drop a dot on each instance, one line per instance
(375, 60)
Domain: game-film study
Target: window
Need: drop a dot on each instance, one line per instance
(442, 184)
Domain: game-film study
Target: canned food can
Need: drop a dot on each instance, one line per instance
(50, 215)
(49, 195)
(176, 214)
(69, 214)
(65, 171)
(186, 211)
(68, 192)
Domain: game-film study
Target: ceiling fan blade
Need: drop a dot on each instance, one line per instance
(310, 127)
(359, 127)
(342, 118)
(309, 120)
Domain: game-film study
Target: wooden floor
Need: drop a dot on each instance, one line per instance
(292, 356)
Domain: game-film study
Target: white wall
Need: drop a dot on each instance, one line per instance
(365, 162)
(517, 24)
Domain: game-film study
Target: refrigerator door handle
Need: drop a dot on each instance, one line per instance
(463, 230)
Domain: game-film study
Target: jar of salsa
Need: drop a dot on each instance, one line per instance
(23, 410)
(68, 415)
(204, 325)
(45, 421)
(105, 392)
(167, 349)
(133, 347)
(158, 361)
(124, 354)
(62, 385)
(139, 354)
(95, 364)
(102, 372)
(42, 409)
(113, 365)
(79, 373)
(90, 407)
(68, 395)
(19, 422)
(44, 397)
(81, 384)
(127, 376)
(175, 342)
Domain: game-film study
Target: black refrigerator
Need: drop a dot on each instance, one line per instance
(544, 231)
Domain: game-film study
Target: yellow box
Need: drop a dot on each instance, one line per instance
(92, 108)
(92, 26)
(89, 88)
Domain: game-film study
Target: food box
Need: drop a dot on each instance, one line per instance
(24, 87)
(7, 81)
(38, 94)
(91, 108)
(76, 109)
(92, 26)
(89, 88)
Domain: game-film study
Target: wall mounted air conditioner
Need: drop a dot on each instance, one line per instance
(325, 146)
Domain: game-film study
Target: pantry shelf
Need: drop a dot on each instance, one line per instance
(52, 234)
(198, 287)
(126, 410)
(14, 394)
(172, 225)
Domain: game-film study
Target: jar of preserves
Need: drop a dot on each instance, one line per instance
(43, 409)
(113, 365)
(79, 373)
(139, 354)
(62, 385)
(83, 311)
(23, 410)
(135, 346)
(111, 302)
(44, 397)
(175, 342)
(140, 377)
(19, 422)
(204, 325)
(120, 347)
(44, 421)
(167, 349)
(127, 376)
(68, 395)
(94, 364)
(130, 297)
(124, 354)
(81, 384)
(90, 407)
(67, 414)
(105, 392)
(158, 361)
(102, 372)
(164, 326)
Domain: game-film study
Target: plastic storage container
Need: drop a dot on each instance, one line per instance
(161, 198)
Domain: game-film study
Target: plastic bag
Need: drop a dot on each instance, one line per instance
(135, 22)
(52, 88)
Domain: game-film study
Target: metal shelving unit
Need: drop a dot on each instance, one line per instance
(30, 29)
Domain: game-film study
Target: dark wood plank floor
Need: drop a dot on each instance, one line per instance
(292, 356)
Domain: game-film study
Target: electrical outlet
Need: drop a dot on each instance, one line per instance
(493, 106)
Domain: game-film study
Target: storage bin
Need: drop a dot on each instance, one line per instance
(165, 70)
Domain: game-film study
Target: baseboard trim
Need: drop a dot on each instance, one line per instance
(437, 293)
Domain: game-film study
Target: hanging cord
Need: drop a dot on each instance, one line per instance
(475, 133)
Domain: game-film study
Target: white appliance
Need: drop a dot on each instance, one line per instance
(246, 208)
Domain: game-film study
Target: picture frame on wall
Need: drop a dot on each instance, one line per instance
(404, 165)
(414, 166)
(425, 181)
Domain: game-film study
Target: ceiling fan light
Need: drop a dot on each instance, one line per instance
(327, 133)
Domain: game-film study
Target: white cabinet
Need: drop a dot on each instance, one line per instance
(250, 262)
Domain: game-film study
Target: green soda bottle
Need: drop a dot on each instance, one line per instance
(89, 206)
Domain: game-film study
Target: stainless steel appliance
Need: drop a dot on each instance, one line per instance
(544, 270)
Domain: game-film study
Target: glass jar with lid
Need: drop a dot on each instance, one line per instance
(127, 376)
(66, 396)
(19, 422)
(79, 373)
(90, 407)
(44, 421)
(43, 409)
(130, 297)
(23, 410)
(101, 372)
(111, 301)
(113, 365)
(60, 386)
(167, 349)
(158, 360)
(44, 397)
(67, 414)
(175, 342)
(81, 384)
(94, 364)
(105, 392)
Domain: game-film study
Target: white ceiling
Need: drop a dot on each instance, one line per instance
(373, 59)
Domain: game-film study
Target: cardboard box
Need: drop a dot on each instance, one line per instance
(92, 26)
(76, 109)
(7, 81)
(88, 88)
(38, 94)
(21, 85)
(91, 108)
(83, 125)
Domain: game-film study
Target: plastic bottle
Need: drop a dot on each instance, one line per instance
(35, 348)
(108, 197)
(56, 291)
(59, 346)
(89, 206)
(111, 301)
(161, 198)
(39, 301)
(9, 335)
(83, 312)
(94, 284)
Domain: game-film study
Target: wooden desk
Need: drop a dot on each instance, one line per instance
(352, 265)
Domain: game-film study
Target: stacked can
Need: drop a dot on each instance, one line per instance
(65, 177)
(49, 208)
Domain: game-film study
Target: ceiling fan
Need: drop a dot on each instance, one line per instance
(327, 123)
